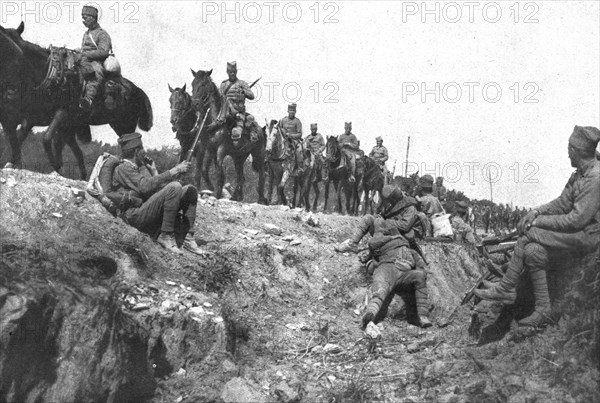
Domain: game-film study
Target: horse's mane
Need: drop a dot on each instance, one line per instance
(28, 47)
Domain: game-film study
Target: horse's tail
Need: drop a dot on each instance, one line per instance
(145, 119)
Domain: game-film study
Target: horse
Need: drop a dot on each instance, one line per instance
(339, 177)
(372, 183)
(216, 142)
(30, 102)
(279, 161)
(308, 176)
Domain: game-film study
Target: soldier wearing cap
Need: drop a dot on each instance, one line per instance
(95, 48)
(235, 92)
(439, 190)
(316, 145)
(430, 205)
(380, 154)
(397, 267)
(462, 231)
(291, 128)
(570, 222)
(349, 146)
(161, 196)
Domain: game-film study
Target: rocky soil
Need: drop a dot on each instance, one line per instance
(93, 310)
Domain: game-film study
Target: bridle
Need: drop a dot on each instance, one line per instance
(185, 110)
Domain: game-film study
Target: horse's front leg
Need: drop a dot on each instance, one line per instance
(71, 141)
(205, 170)
(238, 194)
(221, 153)
(258, 164)
(15, 145)
(199, 166)
(59, 116)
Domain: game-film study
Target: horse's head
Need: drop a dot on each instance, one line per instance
(10, 41)
(203, 90)
(332, 149)
(181, 104)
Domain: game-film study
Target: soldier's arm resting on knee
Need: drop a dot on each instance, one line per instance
(404, 221)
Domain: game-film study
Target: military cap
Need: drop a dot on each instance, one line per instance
(391, 193)
(378, 138)
(130, 141)
(232, 65)
(461, 206)
(426, 181)
(348, 124)
(292, 107)
(439, 178)
(585, 138)
(313, 125)
(90, 10)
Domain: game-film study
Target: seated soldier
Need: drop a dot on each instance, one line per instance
(95, 48)
(439, 190)
(235, 92)
(316, 145)
(570, 222)
(349, 146)
(160, 196)
(462, 231)
(428, 204)
(397, 267)
(379, 154)
(291, 128)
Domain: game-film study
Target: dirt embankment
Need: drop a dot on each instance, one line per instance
(93, 310)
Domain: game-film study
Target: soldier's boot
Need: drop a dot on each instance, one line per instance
(91, 88)
(352, 170)
(504, 291)
(542, 315)
(168, 242)
(351, 244)
(371, 311)
(189, 244)
(422, 307)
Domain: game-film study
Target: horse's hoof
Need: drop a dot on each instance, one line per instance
(263, 201)
(54, 175)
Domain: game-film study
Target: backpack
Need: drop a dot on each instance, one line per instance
(100, 182)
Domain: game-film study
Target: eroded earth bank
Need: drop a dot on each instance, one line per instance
(93, 310)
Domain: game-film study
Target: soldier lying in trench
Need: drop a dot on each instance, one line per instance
(397, 268)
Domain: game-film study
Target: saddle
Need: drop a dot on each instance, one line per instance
(65, 75)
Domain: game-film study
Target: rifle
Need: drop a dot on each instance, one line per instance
(255, 81)
(497, 244)
(190, 152)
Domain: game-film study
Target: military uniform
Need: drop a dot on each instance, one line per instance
(316, 145)
(440, 192)
(348, 144)
(571, 222)
(235, 94)
(430, 205)
(379, 154)
(160, 196)
(96, 45)
(462, 231)
(292, 131)
(398, 268)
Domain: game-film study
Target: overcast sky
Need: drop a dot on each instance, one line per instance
(475, 84)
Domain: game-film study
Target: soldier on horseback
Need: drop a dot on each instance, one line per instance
(291, 128)
(349, 147)
(316, 145)
(235, 92)
(379, 154)
(95, 48)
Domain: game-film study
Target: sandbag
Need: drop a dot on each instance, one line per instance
(441, 225)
